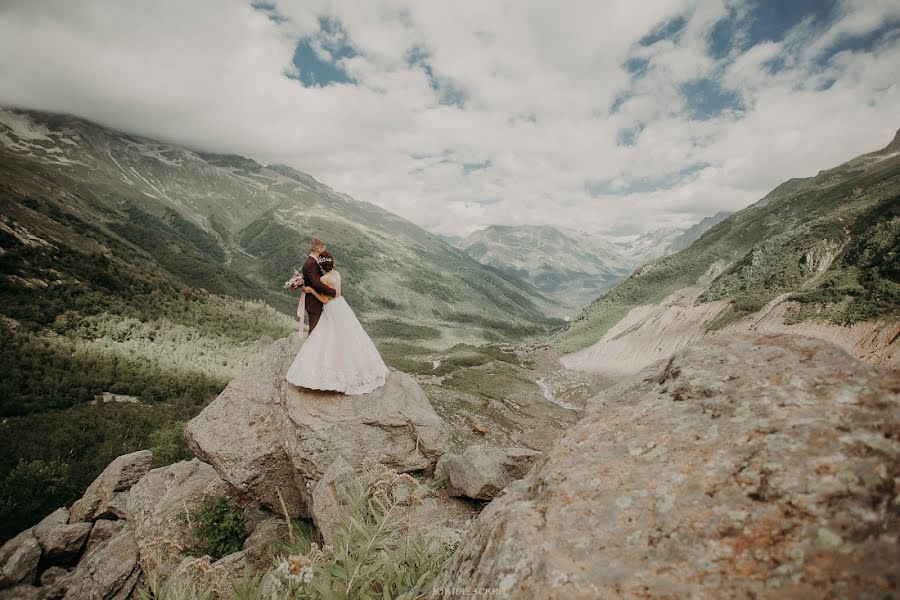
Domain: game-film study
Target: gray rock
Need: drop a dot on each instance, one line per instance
(752, 466)
(100, 499)
(102, 530)
(55, 582)
(267, 533)
(218, 576)
(264, 435)
(482, 472)
(52, 575)
(158, 503)
(110, 572)
(328, 496)
(19, 559)
(61, 541)
(22, 592)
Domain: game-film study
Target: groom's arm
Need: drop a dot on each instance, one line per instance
(311, 276)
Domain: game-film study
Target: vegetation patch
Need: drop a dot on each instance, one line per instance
(217, 526)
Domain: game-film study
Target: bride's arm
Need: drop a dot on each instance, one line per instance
(322, 297)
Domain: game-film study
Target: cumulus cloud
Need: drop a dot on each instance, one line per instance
(613, 117)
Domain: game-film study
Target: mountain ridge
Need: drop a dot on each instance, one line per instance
(816, 254)
(572, 265)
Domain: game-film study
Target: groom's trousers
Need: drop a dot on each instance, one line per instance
(313, 319)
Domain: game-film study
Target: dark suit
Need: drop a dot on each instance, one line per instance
(311, 277)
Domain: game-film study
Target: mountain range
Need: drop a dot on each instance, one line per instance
(138, 277)
(817, 256)
(234, 227)
(573, 266)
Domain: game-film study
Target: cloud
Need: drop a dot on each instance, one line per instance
(614, 117)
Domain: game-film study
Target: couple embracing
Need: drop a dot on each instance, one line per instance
(337, 355)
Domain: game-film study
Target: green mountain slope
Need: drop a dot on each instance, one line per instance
(241, 221)
(148, 271)
(569, 265)
(831, 242)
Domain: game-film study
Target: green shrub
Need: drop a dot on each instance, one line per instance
(217, 525)
(370, 555)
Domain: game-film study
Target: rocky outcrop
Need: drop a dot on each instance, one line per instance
(104, 556)
(482, 472)
(265, 436)
(105, 497)
(61, 541)
(744, 466)
(101, 553)
(158, 502)
(19, 559)
(110, 572)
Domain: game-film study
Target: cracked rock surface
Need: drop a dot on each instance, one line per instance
(264, 435)
(744, 466)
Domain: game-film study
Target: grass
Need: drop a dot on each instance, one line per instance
(373, 553)
(217, 526)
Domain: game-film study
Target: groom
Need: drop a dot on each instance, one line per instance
(311, 274)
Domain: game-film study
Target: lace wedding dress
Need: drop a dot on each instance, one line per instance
(338, 355)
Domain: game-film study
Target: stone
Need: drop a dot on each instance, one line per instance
(712, 474)
(22, 592)
(100, 499)
(110, 572)
(52, 575)
(158, 503)
(482, 472)
(265, 436)
(55, 582)
(19, 559)
(61, 541)
(267, 533)
(102, 530)
(328, 496)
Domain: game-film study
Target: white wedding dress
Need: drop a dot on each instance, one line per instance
(338, 355)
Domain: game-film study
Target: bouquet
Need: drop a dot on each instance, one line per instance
(294, 283)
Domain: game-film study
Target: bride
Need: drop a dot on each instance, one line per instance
(338, 354)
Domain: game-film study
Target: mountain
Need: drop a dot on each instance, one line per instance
(243, 227)
(138, 277)
(649, 245)
(693, 233)
(573, 266)
(816, 256)
(568, 264)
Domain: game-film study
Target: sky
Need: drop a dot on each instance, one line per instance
(615, 117)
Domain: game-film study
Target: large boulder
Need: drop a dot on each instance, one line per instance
(108, 573)
(19, 559)
(752, 466)
(61, 541)
(158, 504)
(481, 472)
(105, 496)
(267, 437)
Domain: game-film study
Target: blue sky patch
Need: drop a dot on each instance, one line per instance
(476, 166)
(642, 186)
(627, 136)
(666, 30)
(269, 9)
(314, 70)
(706, 99)
(767, 20)
(448, 93)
